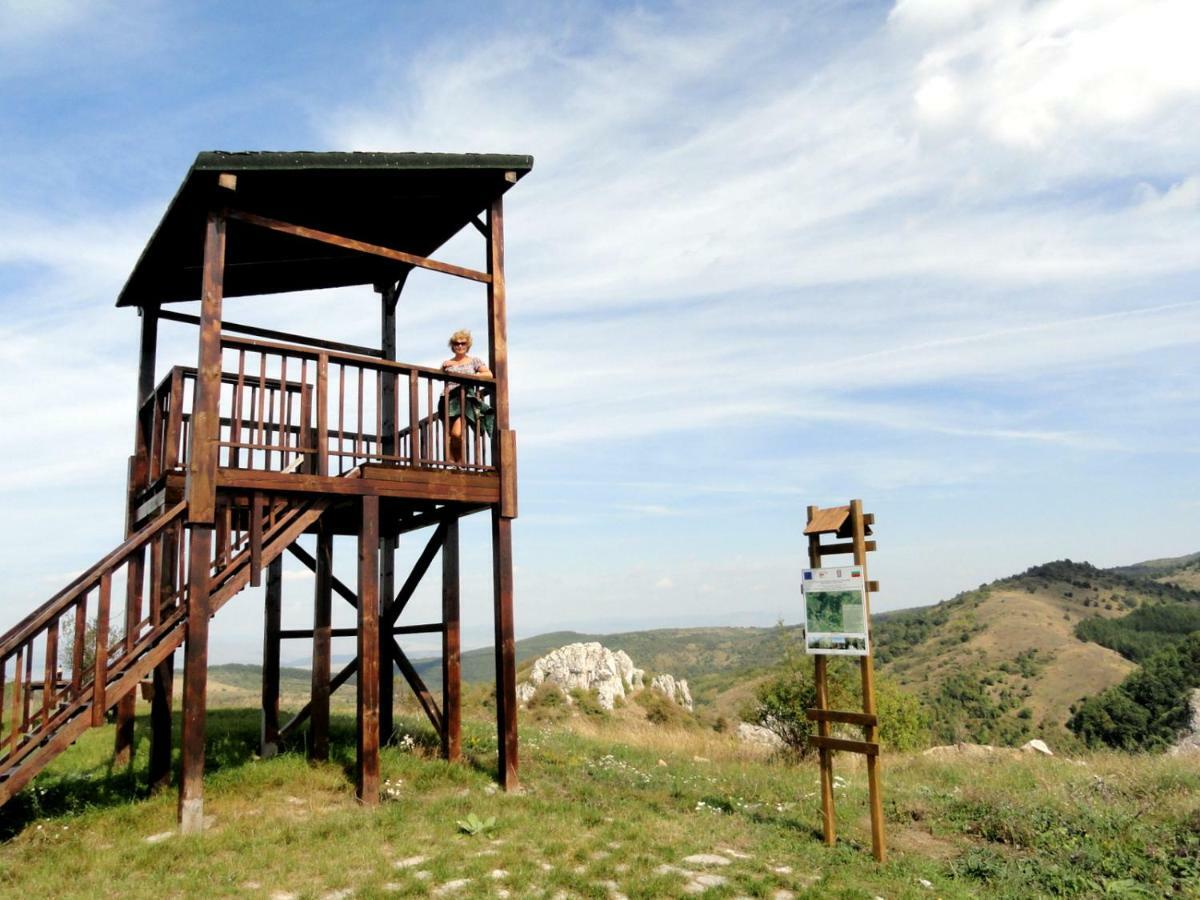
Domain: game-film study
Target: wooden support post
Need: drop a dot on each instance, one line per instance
(389, 294)
(195, 682)
(166, 552)
(451, 649)
(387, 670)
(206, 426)
(868, 688)
(322, 613)
(272, 619)
(138, 478)
(368, 653)
(506, 680)
(825, 757)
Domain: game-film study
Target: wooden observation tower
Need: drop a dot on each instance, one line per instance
(271, 436)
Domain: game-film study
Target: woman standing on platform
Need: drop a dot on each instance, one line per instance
(475, 409)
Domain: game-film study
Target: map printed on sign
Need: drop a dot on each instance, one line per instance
(835, 611)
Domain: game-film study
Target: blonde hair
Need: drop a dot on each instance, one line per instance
(461, 335)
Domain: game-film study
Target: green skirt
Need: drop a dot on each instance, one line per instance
(478, 412)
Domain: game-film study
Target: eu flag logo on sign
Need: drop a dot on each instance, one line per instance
(808, 576)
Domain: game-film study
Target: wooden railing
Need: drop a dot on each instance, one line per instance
(287, 408)
(66, 654)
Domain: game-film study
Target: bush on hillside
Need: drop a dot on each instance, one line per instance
(781, 703)
(1143, 632)
(1150, 708)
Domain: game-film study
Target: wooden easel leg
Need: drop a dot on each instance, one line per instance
(451, 650)
(272, 622)
(322, 616)
(506, 680)
(195, 683)
(873, 766)
(826, 757)
(368, 653)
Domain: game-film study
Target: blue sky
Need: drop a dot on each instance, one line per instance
(942, 257)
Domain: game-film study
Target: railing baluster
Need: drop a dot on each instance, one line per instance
(3, 675)
(261, 427)
(413, 418)
(323, 414)
(101, 670)
(379, 414)
(79, 639)
(28, 695)
(303, 441)
(285, 413)
(359, 447)
(341, 444)
(239, 407)
(15, 733)
(50, 679)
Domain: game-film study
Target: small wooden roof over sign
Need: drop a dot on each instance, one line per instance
(411, 202)
(832, 520)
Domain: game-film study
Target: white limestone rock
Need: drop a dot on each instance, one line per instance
(1037, 746)
(757, 734)
(589, 666)
(675, 691)
(1189, 741)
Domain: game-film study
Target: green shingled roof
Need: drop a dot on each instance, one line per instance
(407, 201)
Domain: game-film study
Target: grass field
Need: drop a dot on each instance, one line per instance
(609, 807)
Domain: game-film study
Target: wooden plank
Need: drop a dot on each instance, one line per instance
(873, 586)
(846, 718)
(825, 760)
(486, 492)
(368, 654)
(826, 521)
(451, 646)
(164, 586)
(195, 683)
(506, 669)
(256, 538)
(844, 547)
(361, 246)
(323, 415)
(272, 619)
(428, 628)
(337, 584)
(868, 748)
(322, 612)
(508, 474)
(271, 334)
(202, 458)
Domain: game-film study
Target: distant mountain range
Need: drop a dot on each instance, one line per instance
(1001, 662)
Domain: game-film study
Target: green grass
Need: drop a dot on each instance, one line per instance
(605, 802)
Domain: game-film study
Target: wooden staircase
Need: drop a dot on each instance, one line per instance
(42, 716)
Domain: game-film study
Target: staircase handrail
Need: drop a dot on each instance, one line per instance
(28, 627)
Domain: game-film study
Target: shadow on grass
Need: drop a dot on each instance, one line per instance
(69, 786)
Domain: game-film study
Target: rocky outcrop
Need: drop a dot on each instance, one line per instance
(675, 691)
(590, 666)
(757, 734)
(593, 667)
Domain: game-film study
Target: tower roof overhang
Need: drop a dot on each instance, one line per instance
(410, 202)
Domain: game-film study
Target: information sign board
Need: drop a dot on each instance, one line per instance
(835, 611)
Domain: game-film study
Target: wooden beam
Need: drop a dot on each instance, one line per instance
(368, 654)
(451, 647)
(306, 710)
(195, 683)
(201, 488)
(844, 547)
(505, 648)
(867, 669)
(322, 613)
(164, 575)
(345, 243)
(272, 617)
(846, 718)
(868, 748)
(338, 586)
(420, 567)
(271, 334)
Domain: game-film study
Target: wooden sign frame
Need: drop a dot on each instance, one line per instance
(847, 522)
